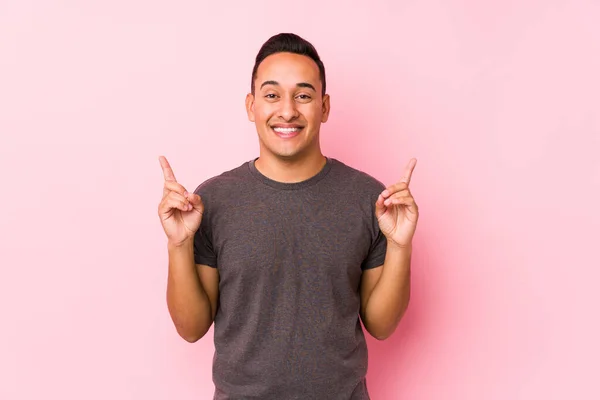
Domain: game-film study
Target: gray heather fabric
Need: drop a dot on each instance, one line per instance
(290, 258)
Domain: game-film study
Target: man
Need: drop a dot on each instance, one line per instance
(285, 252)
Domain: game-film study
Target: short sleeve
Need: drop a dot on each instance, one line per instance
(203, 249)
(376, 256)
(204, 252)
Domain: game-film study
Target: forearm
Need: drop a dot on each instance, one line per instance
(390, 296)
(188, 303)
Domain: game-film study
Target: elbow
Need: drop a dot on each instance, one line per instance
(383, 328)
(382, 335)
(191, 337)
(378, 331)
(191, 334)
(376, 328)
(190, 328)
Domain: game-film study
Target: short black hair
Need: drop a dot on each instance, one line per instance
(288, 43)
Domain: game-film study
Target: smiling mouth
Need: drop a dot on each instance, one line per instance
(287, 131)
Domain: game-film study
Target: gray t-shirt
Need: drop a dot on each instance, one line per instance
(290, 258)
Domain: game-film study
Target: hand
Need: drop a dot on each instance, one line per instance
(397, 211)
(180, 212)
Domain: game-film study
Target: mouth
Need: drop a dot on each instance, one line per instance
(287, 132)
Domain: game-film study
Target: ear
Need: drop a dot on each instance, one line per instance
(325, 109)
(250, 106)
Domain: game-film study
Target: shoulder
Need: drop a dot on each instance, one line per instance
(224, 183)
(355, 178)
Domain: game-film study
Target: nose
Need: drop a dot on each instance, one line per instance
(288, 110)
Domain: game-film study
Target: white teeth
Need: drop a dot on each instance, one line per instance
(286, 130)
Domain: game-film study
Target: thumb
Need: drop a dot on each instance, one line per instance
(196, 201)
(380, 207)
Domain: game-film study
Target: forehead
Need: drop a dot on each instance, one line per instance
(288, 69)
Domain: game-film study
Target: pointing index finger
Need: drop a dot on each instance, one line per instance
(167, 171)
(409, 170)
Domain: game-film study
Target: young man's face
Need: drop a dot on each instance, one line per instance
(287, 106)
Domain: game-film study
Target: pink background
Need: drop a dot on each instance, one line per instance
(498, 100)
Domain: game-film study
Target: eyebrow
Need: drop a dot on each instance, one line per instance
(300, 84)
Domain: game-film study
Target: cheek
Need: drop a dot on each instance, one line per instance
(312, 114)
(263, 113)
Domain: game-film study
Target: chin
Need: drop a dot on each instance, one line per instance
(288, 156)
(287, 151)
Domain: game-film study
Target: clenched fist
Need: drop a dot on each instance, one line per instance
(180, 212)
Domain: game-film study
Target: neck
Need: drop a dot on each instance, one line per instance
(290, 170)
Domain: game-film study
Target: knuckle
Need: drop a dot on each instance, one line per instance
(162, 207)
(174, 187)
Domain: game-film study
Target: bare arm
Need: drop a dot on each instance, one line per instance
(385, 292)
(192, 292)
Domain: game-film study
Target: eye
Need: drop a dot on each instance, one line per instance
(270, 96)
(303, 97)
